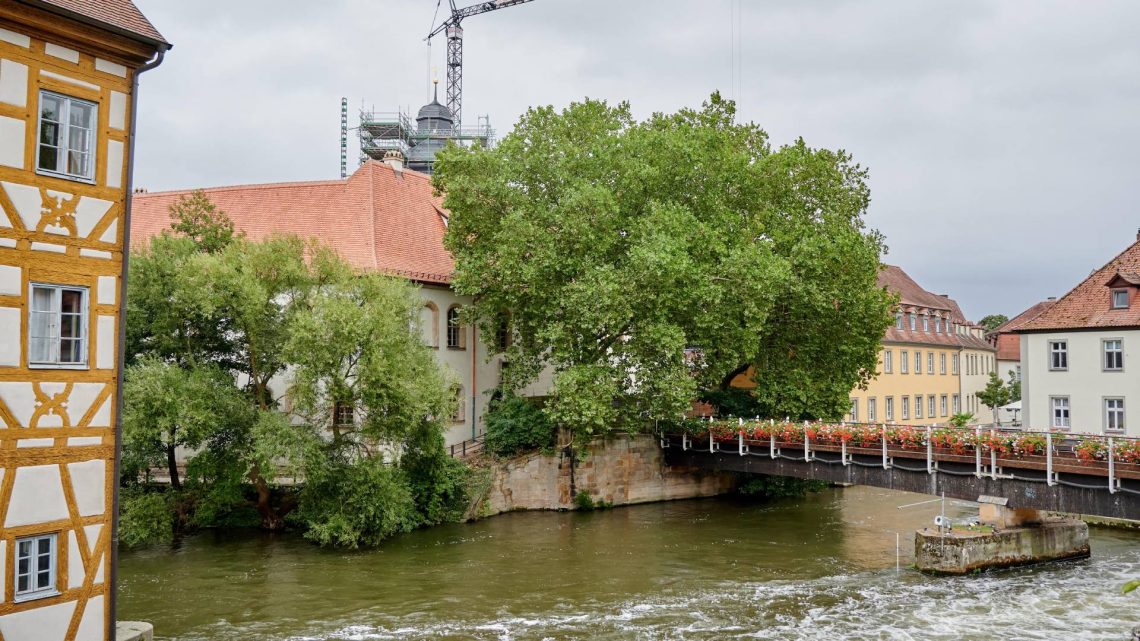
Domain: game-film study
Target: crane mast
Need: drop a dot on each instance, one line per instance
(454, 31)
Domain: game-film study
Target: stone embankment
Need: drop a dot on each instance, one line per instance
(620, 470)
(962, 552)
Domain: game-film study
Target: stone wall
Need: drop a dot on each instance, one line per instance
(964, 552)
(622, 470)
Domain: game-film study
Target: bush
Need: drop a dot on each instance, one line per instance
(358, 503)
(587, 503)
(515, 425)
(145, 518)
(780, 487)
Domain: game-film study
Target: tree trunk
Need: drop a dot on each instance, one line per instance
(172, 466)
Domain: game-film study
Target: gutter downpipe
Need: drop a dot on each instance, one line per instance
(122, 351)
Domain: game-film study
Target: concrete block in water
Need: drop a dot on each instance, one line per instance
(961, 552)
(133, 631)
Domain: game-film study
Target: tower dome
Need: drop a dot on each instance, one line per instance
(434, 127)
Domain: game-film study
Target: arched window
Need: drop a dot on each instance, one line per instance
(456, 337)
(429, 318)
(503, 333)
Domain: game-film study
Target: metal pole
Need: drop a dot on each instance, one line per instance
(807, 453)
(1111, 469)
(929, 451)
(1049, 478)
(886, 463)
(978, 451)
(993, 458)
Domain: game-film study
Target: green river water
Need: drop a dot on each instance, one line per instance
(822, 567)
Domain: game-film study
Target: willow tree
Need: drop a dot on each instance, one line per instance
(646, 261)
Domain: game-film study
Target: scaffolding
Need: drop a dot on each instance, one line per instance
(384, 131)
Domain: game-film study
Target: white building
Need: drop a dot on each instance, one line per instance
(1077, 368)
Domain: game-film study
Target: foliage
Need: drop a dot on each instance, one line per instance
(586, 503)
(440, 485)
(993, 321)
(353, 504)
(734, 401)
(961, 419)
(643, 261)
(1014, 386)
(1130, 586)
(515, 424)
(145, 518)
(995, 395)
(780, 487)
(200, 220)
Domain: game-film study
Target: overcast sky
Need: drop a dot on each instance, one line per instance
(1002, 137)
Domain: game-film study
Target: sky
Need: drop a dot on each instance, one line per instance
(1002, 137)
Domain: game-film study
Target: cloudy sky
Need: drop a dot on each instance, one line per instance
(1002, 137)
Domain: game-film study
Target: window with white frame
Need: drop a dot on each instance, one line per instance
(913, 321)
(942, 405)
(918, 406)
(898, 320)
(872, 414)
(942, 363)
(1060, 407)
(888, 364)
(930, 400)
(1114, 414)
(930, 362)
(57, 326)
(925, 323)
(917, 362)
(854, 410)
(954, 364)
(889, 407)
(36, 567)
(1120, 299)
(456, 337)
(1058, 355)
(905, 408)
(955, 404)
(904, 361)
(937, 324)
(66, 136)
(1113, 355)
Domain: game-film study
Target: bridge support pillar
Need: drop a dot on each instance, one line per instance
(969, 550)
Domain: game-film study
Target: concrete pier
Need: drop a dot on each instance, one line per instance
(961, 551)
(133, 631)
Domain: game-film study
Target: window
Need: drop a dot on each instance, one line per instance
(917, 362)
(1060, 405)
(888, 365)
(918, 405)
(904, 361)
(930, 362)
(1114, 414)
(956, 405)
(1120, 299)
(1113, 355)
(1058, 355)
(456, 337)
(913, 320)
(925, 323)
(954, 365)
(35, 567)
(57, 326)
(1018, 373)
(503, 335)
(898, 320)
(905, 407)
(890, 407)
(66, 136)
(342, 414)
(930, 406)
(942, 363)
(942, 405)
(429, 319)
(871, 413)
(937, 324)
(854, 410)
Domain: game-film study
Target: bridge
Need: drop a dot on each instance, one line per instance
(1076, 473)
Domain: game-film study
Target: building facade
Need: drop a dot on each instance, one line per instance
(67, 93)
(1005, 339)
(1076, 356)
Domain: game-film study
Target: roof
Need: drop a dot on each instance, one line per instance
(1024, 317)
(378, 219)
(911, 294)
(1089, 304)
(118, 15)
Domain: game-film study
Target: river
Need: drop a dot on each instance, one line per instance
(822, 567)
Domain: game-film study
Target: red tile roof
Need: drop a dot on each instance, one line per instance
(377, 219)
(1089, 304)
(120, 15)
(910, 292)
(1008, 343)
(913, 296)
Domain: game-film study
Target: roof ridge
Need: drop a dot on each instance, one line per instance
(1086, 279)
(278, 185)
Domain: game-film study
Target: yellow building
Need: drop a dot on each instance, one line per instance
(67, 87)
(919, 380)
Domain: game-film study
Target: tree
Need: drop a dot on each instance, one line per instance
(645, 261)
(995, 395)
(993, 321)
(199, 219)
(1014, 387)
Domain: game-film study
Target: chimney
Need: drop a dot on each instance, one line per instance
(1138, 234)
(394, 159)
(1051, 298)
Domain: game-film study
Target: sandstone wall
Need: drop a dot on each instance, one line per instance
(621, 470)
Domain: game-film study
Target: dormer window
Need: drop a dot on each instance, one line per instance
(925, 323)
(1120, 299)
(937, 324)
(899, 320)
(913, 322)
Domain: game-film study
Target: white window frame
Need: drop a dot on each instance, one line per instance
(53, 361)
(930, 407)
(872, 413)
(65, 127)
(913, 321)
(854, 410)
(35, 590)
(917, 362)
(930, 362)
(889, 407)
(942, 363)
(937, 324)
(1117, 412)
(942, 405)
(1116, 293)
(954, 364)
(1060, 403)
(956, 404)
(888, 364)
(1118, 351)
(898, 320)
(906, 408)
(925, 323)
(917, 406)
(1058, 351)
(904, 362)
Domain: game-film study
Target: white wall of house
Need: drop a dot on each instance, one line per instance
(1005, 367)
(974, 379)
(1085, 382)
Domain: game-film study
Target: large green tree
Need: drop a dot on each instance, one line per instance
(993, 321)
(646, 261)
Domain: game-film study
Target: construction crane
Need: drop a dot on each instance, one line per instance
(454, 31)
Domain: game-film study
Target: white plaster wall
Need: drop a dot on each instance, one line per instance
(1085, 382)
(10, 336)
(973, 383)
(38, 624)
(105, 342)
(13, 83)
(1005, 367)
(75, 569)
(63, 53)
(12, 135)
(91, 625)
(88, 480)
(114, 164)
(37, 496)
(117, 113)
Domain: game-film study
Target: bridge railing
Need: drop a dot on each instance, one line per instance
(992, 451)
